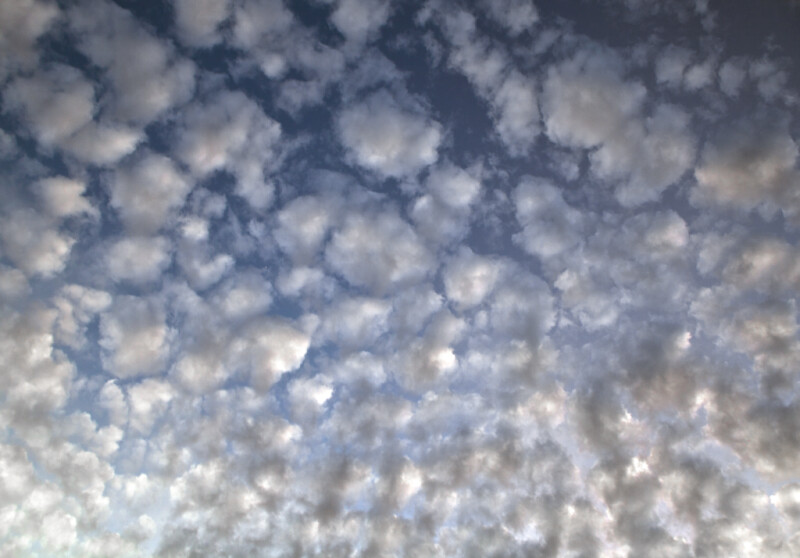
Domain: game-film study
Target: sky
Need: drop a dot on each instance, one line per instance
(340, 278)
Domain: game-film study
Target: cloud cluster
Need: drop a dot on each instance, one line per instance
(364, 278)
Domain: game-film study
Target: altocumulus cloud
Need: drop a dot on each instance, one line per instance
(372, 278)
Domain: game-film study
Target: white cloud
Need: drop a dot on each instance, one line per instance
(77, 307)
(430, 359)
(103, 144)
(146, 191)
(21, 24)
(198, 22)
(589, 104)
(33, 244)
(303, 225)
(241, 336)
(138, 260)
(13, 284)
(308, 396)
(243, 296)
(378, 251)
(63, 197)
(469, 278)
(453, 186)
(358, 20)
(510, 94)
(134, 337)
(55, 103)
(549, 225)
(751, 165)
(200, 268)
(517, 113)
(517, 16)
(388, 139)
(148, 399)
(355, 323)
(231, 132)
(145, 85)
(269, 349)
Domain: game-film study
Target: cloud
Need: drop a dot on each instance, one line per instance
(103, 143)
(303, 226)
(358, 279)
(511, 95)
(388, 139)
(750, 165)
(134, 337)
(22, 24)
(32, 244)
(138, 260)
(55, 104)
(269, 349)
(355, 323)
(63, 197)
(198, 24)
(231, 132)
(469, 278)
(589, 104)
(379, 251)
(358, 20)
(146, 190)
(550, 226)
(144, 86)
(517, 16)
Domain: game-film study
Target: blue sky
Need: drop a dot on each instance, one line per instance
(373, 278)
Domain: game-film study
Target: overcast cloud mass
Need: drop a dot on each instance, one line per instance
(338, 278)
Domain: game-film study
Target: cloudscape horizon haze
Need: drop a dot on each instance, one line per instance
(339, 278)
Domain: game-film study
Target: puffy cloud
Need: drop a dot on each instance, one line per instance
(134, 337)
(732, 74)
(22, 23)
(138, 260)
(144, 86)
(59, 106)
(146, 190)
(103, 143)
(401, 343)
(200, 268)
(356, 322)
(430, 359)
(588, 103)
(469, 278)
(751, 165)
(230, 132)
(360, 19)
(33, 244)
(377, 250)
(549, 225)
(55, 103)
(77, 307)
(13, 284)
(387, 138)
(148, 400)
(243, 296)
(452, 186)
(303, 225)
(511, 94)
(517, 16)
(63, 197)
(587, 100)
(198, 23)
(268, 349)
(308, 396)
